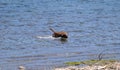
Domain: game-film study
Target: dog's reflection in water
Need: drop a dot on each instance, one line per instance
(62, 40)
(62, 35)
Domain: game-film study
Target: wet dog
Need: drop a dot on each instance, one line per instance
(61, 34)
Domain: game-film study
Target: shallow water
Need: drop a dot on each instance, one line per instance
(25, 38)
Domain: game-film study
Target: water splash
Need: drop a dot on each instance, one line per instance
(45, 37)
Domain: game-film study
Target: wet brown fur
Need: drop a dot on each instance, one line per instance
(61, 34)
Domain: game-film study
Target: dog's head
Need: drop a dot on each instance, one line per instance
(64, 36)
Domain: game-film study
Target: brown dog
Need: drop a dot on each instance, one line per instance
(61, 34)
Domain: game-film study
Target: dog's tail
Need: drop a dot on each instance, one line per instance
(52, 30)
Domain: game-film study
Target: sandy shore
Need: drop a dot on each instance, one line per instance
(111, 66)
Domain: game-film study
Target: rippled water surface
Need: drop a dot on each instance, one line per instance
(25, 38)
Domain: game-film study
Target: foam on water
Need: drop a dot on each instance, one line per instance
(45, 37)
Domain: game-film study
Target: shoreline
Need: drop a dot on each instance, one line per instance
(97, 66)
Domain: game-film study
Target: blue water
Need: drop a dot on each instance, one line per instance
(25, 38)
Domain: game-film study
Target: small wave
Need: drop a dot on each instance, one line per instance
(45, 37)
